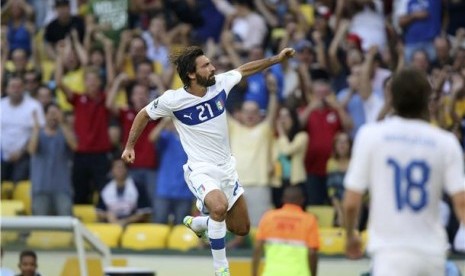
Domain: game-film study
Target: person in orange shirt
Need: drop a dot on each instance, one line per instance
(289, 236)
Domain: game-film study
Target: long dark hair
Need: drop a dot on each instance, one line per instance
(185, 62)
(296, 128)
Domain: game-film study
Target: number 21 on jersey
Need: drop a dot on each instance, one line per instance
(204, 115)
(410, 184)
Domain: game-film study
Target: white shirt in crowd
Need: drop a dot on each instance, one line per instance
(369, 25)
(17, 123)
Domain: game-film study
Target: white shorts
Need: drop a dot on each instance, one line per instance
(202, 178)
(407, 263)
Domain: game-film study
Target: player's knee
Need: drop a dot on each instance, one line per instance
(218, 211)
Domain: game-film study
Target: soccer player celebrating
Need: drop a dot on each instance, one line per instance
(407, 164)
(198, 112)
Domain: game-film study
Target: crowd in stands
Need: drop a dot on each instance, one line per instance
(76, 72)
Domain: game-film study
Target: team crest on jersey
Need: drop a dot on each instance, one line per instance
(220, 104)
(201, 189)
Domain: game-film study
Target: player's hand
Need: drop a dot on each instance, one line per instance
(354, 247)
(286, 53)
(128, 156)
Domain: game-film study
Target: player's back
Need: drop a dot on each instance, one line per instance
(407, 168)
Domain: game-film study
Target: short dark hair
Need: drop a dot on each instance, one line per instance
(145, 62)
(50, 105)
(27, 253)
(185, 62)
(410, 93)
(37, 74)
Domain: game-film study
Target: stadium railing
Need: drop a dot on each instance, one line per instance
(69, 224)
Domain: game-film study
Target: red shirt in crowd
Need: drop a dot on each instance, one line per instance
(91, 123)
(146, 155)
(322, 126)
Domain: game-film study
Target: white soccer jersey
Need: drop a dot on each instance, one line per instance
(200, 121)
(406, 165)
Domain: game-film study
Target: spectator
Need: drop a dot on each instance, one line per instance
(140, 12)
(32, 81)
(172, 195)
(100, 57)
(247, 26)
(91, 160)
(185, 12)
(20, 30)
(421, 23)
(322, 25)
(443, 49)
(420, 60)
(45, 12)
(16, 127)
(51, 149)
(343, 56)
(336, 168)
(4, 271)
(111, 16)
(295, 30)
(127, 61)
(45, 95)
(292, 85)
(291, 146)
(28, 263)
(144, 169)
(212, 23)
(256, 84)
(122, 201)
(361, 100)
(18, 65)
(158, 41)
(251, 141)
(278, 13)
(145, 76)
(291, 238)
(323, 118)
(61, 27)
(368, 23)
(72, 64)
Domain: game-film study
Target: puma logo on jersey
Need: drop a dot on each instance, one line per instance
(188, 116)
(155, 104)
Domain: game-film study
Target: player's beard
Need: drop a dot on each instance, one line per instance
(205, 82)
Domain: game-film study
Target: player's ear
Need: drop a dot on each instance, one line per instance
(191, 76)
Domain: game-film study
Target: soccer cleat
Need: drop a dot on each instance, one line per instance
(224, 271)
(203, 235)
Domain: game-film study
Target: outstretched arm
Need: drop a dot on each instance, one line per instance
(351, 207)
(137, 127)
(256, 66)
